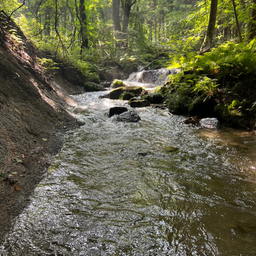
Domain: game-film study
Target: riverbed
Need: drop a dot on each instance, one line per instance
(156, 187)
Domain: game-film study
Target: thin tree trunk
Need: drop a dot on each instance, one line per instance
(83, 28)
(47, 21)
(208, 41)
(237, 23)
(116, 20)
(150, 31)
(126, 11)
(252, 25)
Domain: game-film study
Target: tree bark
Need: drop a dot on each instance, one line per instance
(126, 6)
(126, 12)
(47, 21)
(208, 41)
(116, 20)
(83, 28)
(237, 23)
(252, 25)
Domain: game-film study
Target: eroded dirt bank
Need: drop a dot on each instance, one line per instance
(33, 118)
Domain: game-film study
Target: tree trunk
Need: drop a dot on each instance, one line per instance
(116, 20)
(237, 23)
(126, 12)
(252, 25)
(150, 31)
(208, 41)
(83, 24)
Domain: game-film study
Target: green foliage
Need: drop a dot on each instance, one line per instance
(93, 87)
(205, 86)
(179, 103)
(162, 90)
(179, 99)
(48, 64)
(8, 5)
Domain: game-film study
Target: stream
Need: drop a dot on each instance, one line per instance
(156, 187)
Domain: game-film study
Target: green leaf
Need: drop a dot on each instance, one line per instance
(18, 160)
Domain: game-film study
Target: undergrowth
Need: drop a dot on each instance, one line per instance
(223, 80)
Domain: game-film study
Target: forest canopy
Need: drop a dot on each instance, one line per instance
(110, 28)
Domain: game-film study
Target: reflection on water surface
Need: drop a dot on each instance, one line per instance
(156, 187)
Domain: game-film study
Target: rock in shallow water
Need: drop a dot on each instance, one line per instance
(117, 111)
(139, 103)
(129, 116)
(210, 123)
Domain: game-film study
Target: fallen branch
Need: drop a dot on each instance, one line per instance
(149, 64)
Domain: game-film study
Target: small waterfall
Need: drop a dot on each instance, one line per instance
(151, 78)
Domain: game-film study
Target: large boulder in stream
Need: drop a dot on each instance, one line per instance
(129, 116)
(115, 93)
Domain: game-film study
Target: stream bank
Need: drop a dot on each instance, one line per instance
(33, 118)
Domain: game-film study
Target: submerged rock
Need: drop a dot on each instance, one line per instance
(129, 116)
(210, 123)
(117, 111)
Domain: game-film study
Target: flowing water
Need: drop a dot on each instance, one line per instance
(156, 187)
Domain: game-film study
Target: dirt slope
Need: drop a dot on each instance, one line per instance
(32, 120)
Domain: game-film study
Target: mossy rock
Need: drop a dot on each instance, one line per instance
(126, 96)
(139, 103)
(154, 98)
(93, 87)
(116, 93)
(132, 99)
(118, 83)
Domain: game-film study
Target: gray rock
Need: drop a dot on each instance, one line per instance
(129, 116)
(210, 123)
(117, 111)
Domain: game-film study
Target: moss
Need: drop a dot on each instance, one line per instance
(118, 83)
(115, 93)
(126, 96)
(179, 103)
(132, 99)
(139, 103)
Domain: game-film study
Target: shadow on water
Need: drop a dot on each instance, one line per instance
(157, 187)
